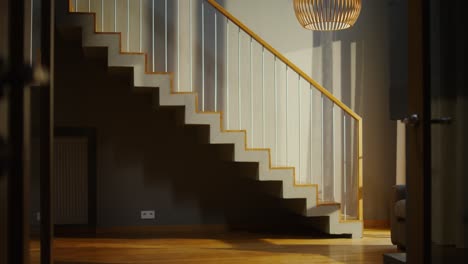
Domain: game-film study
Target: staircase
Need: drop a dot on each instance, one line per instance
(225, 76)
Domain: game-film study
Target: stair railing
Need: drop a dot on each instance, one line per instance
(256, 89)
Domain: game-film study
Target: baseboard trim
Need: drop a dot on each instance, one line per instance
(162, 230)
(74, 230)
(377, 224)
(184, 230)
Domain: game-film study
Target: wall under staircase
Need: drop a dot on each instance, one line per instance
(149, 160)
(320, 199)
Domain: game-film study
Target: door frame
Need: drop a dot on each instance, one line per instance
(47, 38)
(17, 181)
(418, 206)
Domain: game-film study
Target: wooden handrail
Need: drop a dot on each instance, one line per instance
(283, 59)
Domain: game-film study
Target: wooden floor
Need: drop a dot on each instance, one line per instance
(226, 248)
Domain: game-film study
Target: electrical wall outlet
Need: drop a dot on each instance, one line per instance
(149, 214)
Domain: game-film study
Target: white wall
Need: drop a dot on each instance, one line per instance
(401, 154)
(354, 65)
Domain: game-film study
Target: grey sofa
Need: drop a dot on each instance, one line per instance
(398, 216)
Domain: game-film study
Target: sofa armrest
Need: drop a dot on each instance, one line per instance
(397, 224)
(398, 193)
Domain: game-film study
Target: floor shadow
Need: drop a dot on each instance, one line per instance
(234, 247)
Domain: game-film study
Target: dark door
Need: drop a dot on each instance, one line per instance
(3, 131)
(448, 130)
(418, 134)
(437, 211)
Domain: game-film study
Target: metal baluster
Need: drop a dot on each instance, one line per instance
(227, 74)
(141, 26)
(311, 176)
(76, 6)
(323, 149)
(178, 46)
(165, 35)
(115, 15)
(191, 46)
(263, 98)
(334, 150)
(343, 199)
(310, 133)
(216, 61)
(32, 33)
(239, 77)
(287, 115)
(152, 36)
(102, 15)
(251, 96)
(89, 6)
(276, 113)
(128, 25)
(299, 104)
(203, 56)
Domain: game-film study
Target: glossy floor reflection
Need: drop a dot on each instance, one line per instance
(224, 248)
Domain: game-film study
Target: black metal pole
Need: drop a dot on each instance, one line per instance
(46, 132)
(17, 228)
(427, 156)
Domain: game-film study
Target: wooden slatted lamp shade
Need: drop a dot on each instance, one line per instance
(327, 15)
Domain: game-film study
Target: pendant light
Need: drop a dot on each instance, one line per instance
(327, 15)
